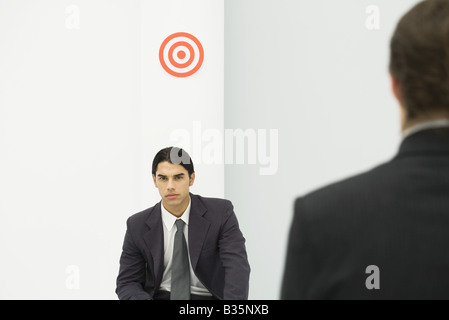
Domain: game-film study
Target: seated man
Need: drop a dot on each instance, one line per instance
(184, 247)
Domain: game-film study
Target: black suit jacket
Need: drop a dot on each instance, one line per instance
(395, 217)
(216, 245)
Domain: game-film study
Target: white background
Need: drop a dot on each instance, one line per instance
(83, 111)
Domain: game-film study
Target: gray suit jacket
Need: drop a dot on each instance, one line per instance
(216, 245)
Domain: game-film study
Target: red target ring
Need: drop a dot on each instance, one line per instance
(181, 54)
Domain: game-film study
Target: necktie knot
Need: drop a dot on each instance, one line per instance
(180, 224)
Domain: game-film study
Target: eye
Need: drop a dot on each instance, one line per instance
(163, 178)
(178, 178)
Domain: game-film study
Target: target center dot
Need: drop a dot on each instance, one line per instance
(181, 54)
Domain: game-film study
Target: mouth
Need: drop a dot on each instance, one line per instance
(172, 196)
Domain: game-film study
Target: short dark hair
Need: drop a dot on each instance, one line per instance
(419, 58)
(173, 155)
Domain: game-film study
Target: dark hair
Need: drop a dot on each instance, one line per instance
(173, 155)
(419, 58)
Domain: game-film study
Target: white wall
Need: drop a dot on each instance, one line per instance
(318, 73)
(84, 107)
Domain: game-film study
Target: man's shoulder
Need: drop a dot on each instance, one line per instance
(215, 210)
(355, 188)
(338, 209)
(143, 215)
(212, 205)
(211, 201)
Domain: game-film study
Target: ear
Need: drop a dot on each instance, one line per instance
(192, 179)
(396, 88)
(154, 180)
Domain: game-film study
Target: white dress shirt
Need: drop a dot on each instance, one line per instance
(196, 287)
(432, 124)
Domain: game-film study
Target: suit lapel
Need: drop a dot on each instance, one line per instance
(198, 227)
(154, 239)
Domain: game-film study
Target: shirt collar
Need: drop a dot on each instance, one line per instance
(169, 219)
(432, 124)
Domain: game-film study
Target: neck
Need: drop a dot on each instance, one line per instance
(407, 124)
(178, 210)
(429, 124)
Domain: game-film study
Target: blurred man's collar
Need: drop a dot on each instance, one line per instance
(430, 124)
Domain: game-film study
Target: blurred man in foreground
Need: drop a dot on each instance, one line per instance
(384, 234)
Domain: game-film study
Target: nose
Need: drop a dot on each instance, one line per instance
(170, 184)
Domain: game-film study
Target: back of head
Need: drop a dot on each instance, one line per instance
(419, 59)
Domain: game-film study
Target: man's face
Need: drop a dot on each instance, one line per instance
(173, 182)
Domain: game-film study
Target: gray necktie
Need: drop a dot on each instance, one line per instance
(180, 272)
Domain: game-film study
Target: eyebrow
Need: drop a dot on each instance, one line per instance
(176, 175)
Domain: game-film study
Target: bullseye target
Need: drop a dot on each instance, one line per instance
(181, 54)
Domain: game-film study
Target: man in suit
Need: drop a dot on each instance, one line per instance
(215, 264)
(384, 234)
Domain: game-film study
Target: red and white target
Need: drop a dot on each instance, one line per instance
(181, 54)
